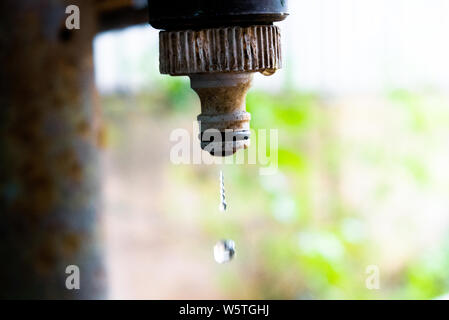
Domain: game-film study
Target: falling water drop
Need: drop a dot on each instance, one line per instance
(224, 251)
(223, 204)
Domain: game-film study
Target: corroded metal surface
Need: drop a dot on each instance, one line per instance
(223, 109)
(220, 63)
(48, 152)
(232, 49)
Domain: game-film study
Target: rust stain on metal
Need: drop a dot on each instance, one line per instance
(220, 63)
(54, 246)
(232, 49)
(48, 151)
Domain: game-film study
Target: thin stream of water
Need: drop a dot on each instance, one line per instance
(223, 204)
(224, 250)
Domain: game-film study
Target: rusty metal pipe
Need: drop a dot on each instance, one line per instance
(48, 152)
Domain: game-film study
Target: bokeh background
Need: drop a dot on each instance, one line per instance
(362, 109)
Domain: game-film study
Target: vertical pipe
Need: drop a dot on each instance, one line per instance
(48, 152)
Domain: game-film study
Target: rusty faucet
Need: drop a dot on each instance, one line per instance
(50, 123)
(219, 45)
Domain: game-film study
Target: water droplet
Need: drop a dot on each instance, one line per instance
(224, 251)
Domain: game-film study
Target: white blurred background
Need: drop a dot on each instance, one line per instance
(331, 46)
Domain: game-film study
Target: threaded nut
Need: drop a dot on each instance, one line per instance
(232, 49)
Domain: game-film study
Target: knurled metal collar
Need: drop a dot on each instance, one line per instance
(232, 49)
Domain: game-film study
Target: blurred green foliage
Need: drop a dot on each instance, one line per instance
(297, 237)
